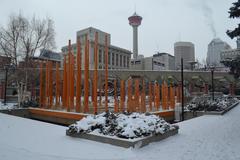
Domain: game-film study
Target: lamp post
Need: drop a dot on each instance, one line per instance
(212, 73)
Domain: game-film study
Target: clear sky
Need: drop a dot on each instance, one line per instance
(164, 21)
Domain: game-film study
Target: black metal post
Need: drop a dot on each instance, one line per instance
(182, 89)
(5, 89)
(212, 71)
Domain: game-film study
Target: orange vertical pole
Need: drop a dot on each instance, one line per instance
(115, 97)
(163, 95)
(86, 75)
(166, 95)
(95, 78)
(150, 96)
(157, 96)
(143, 98)
(57, 93)
(154, 95)
(172, 98)
(106, 73)
(129, 101)
(72, 81)
(69, 76)
(46, 86)
(41, 86)
(178, 93)
(79, 78)
(50, 79)
(136, 106)
(64, 82)
(122, 95)
(100, 92)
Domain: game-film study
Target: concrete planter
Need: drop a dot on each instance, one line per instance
(189, 114)
(126, 143)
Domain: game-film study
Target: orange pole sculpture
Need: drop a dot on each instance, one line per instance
(129, 101)
(143, 98)
(172, 98)
(136, 97)
(166, 95)
(178, 93)
(100, 92)
(150, 96)
(50, 85)
(57, 94)
(154, 95)
(106, 73)
(163, 95)
(72, 81)
(115, 97)
(69, 76)
(46, 86)
(95, 78)
(41, 86)
(122, 95)
(157, 96)
(79, 78)
(86, 75)
(64, 82)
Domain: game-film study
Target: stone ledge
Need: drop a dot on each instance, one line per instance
(135, 143)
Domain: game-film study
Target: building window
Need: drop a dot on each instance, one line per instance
(116, 59)
(127, 61)
(113, 59)
(120, 60)
(124, 61)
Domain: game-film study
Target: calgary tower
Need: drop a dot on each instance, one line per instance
(135, 21)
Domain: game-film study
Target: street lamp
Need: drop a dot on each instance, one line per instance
(212, 73)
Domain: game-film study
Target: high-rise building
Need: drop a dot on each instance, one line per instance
(231, 53)
(215, 47)
(186, 51)
(118, 58)
(166, 59)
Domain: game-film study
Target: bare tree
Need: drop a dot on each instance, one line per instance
(22, 38)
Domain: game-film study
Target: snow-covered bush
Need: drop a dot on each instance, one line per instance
(123, 125)
(205, 103)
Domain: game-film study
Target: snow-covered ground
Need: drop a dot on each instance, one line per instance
(8, 105)
(122, 125)
(207, 137)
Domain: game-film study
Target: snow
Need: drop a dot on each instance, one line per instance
(207, 137)
(123, 125)
(8, 106)
(206, 103)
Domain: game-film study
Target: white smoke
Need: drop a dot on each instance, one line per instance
(208, 15)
